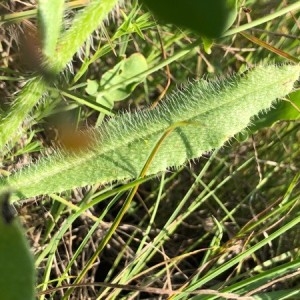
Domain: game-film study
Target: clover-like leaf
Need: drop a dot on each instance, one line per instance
(125, 69)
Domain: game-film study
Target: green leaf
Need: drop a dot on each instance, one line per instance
(209, 18)
(17, 276)
(125, 69)
(50, 16)
(207, 44)
(282, 111)
(92, 87)
(210, 113)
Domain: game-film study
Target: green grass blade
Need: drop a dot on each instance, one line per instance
(211, 275)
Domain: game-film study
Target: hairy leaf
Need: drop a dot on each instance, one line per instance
(210, 113)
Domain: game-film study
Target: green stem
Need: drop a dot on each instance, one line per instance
(22, 105)
(82, 27)
(70, 42)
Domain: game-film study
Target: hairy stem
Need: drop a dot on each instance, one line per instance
(69, 43)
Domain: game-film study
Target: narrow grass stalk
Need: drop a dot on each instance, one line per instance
(269, 17)
(211, 275)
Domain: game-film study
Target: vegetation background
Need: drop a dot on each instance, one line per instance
(218, 228)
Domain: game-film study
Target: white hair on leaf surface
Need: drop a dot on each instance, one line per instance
(202, 117)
